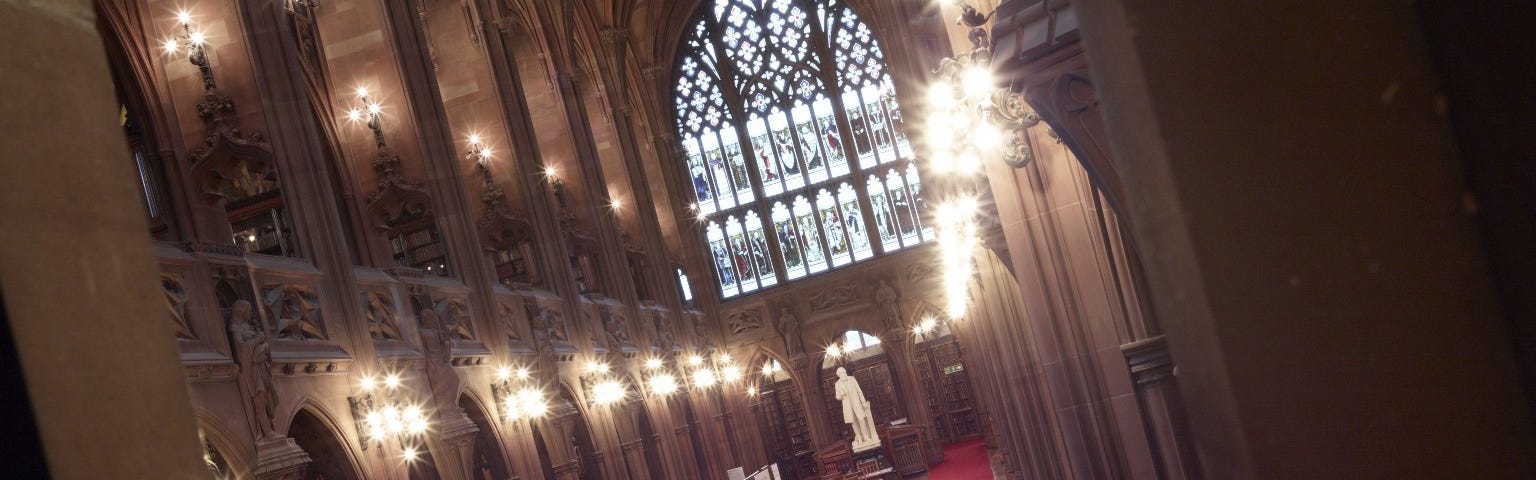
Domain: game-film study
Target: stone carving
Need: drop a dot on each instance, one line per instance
(455, 315)
(834, 297)
(856, 411)
(789, 327)
(701, 333)
(745, 321)
(436, 342)
(890, 310)
(664, 332)
(254, 356)
(382, 323)
(508, 321)
(296, 311)
(919, 271)
(176, 303)
(546, 323)
(614, 324)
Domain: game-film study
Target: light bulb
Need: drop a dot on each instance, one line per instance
(730, 373)
(663, 384)
(703, 377)
(977, 82)
(522, 373)
(503, 373)
(652, 363)
(171, 46)
(197, 38)
(184, 17)
(392, 381)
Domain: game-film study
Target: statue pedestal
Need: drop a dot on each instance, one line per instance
(840, 461)
(280, 459)
(859, 447)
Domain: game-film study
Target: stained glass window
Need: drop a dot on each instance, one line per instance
(793, 141)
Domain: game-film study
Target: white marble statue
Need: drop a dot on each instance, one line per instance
(856, 411)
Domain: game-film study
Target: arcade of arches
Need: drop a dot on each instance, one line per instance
(641, 239)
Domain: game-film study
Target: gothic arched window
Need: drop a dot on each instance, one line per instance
(793, 141)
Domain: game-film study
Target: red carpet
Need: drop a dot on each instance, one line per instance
(963, 461)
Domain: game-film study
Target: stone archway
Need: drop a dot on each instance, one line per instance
(488, 461)
(328, 455)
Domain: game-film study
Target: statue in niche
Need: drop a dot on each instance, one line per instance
(890, 312)
(381, 316)
(176, 303)
(254, 356)
(614, 324)
(789, 327)
(856, 411)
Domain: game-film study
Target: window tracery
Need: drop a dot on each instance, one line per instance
(793, 141)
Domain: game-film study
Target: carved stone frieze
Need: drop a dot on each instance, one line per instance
(745, 321)
(834, 297)
(506, 314)
(547, 323)
(295, 310)
(454, 313)
(917, 272)
(616, 326)
(664, 336)
(175, 289)
(224, 249)
(383, 323)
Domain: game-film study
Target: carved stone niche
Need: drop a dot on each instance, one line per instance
(508, 239)
(402, 211)
(229, 165)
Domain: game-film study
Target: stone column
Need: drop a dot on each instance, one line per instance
(1308, 241)
(81, 296)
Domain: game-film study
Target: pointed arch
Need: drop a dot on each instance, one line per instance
(317, 431)
(490, 456)
(226, 443)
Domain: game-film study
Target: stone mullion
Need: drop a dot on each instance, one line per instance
(856, 175)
